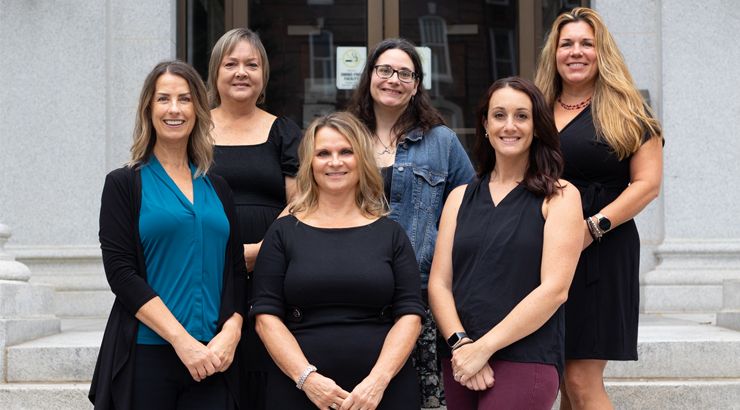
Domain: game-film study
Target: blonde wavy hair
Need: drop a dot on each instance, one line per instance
(622, 117)
(224, 46)
(369, 194)
(200, 142)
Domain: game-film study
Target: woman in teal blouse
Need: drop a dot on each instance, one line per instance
(173, 256)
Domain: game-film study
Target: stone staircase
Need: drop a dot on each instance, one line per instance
(53, 372)
(686, 362)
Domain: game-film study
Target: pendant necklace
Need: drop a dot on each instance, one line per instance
(387, 148)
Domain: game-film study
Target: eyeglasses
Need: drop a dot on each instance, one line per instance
(385, 71)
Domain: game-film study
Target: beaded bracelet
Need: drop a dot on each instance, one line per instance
(311, 368)
(594, 229)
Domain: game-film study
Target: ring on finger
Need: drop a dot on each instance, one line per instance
(334, 406)
(457, 376)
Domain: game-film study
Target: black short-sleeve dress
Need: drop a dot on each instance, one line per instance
(256, 175)
(338, 291)
(602, 311)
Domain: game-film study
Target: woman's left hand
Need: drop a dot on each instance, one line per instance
(366, 395)
(468, 360)
(223, 345)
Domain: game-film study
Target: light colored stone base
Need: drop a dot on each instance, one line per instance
(721, 394)
(64, 357)
(689, 276)
(22, 396)
(77, 274)
(84, 303)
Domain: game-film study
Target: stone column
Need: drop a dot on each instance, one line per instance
(26, 310)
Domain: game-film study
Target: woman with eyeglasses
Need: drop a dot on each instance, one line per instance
(421, 162)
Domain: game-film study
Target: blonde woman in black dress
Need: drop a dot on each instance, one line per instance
(256, 153)
(613, 149)
(338, 291)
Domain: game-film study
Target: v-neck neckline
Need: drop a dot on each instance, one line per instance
(490, 194)
(162, 174)
(574, 119)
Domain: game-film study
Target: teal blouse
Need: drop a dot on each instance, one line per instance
(184, 246)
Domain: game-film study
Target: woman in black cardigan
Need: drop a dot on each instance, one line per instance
(173, 256)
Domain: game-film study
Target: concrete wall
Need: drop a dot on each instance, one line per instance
(634, 25)
(70, 75)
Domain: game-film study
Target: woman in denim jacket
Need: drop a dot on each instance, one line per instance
(421, 162)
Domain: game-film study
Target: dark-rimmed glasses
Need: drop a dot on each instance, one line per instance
(386, 71)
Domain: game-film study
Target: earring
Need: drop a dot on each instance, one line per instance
(486, 136)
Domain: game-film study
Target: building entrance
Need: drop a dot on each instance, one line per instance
(314, 46)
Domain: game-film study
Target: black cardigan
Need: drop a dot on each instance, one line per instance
(123, 259)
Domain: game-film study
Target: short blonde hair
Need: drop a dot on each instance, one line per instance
(369, 195)
(621, 116)
(200, 142)
(224, 46)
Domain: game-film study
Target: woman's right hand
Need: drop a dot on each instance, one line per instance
(197, 357)
(323, 391)
(482, 380)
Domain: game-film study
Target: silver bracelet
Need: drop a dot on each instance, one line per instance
(311, 368)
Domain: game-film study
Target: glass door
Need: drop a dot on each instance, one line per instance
(314, 45)
(303, 40)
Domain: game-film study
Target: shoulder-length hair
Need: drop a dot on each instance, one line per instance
(545, 160)
(419, 112)
(200, 142)
(369, 194)
(224, 46)
(621, 116)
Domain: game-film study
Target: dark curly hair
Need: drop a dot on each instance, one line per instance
(419, 112)
(545, 160)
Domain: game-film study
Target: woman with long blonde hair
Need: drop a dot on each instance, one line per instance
(613, 151)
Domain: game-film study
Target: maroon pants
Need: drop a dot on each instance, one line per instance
(517, 386)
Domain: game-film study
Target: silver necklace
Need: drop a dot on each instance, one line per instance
(387, 148)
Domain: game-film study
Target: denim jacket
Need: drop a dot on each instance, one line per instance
(427, 168)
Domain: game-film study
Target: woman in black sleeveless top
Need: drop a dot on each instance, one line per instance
(506, 252)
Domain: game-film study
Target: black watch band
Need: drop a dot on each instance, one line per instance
(454, 340)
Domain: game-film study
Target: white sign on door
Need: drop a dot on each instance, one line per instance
(350, 63)
(426, 65)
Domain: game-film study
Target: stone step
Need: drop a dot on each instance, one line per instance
(681, 346)
(704, 394)
(64, 357)
(57, 396)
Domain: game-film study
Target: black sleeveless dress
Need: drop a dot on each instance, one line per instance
(496, 260)
(602, 310)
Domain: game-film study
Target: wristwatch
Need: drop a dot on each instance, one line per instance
(604, 223)
(455, 339)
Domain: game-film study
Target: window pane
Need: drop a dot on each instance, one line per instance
(205, 25)
(472, 44)
(301, 38)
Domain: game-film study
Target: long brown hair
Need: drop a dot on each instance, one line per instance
(621, 116)
(419, 112)
(369, 195)
(545, 160)
(200, 142)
